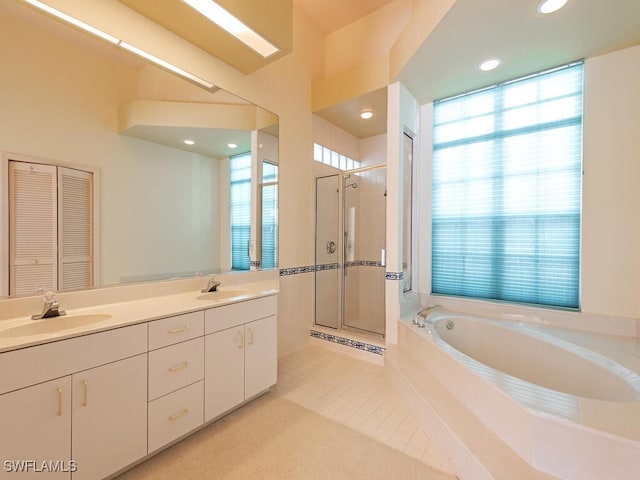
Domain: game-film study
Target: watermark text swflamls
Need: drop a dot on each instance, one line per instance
(40, 466)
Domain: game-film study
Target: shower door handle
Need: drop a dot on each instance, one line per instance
(331, 246)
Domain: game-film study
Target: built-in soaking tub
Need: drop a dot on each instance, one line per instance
(566, 402)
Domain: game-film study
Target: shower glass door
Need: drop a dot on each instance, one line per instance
(364, 226)
(327, 287)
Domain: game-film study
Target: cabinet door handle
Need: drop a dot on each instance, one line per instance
(241, 339)
(179, 367)
(179, 329)
(179, 415)
(84, 393)
(59, 391)
(250, 336)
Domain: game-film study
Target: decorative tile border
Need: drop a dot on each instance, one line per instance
(327, 266)
(347, 342)
(297, 270)
(394, 276)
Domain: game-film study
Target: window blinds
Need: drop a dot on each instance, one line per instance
(269, 217)
(507, 169)
(240, 171)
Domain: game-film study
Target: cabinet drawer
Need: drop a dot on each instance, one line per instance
(171, 330)
(28, 366)
(175, 414)
(176, 366)
(227, 316)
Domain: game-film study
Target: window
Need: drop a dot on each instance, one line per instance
(333, 159)
(507, 170)
(240, 211)
(269, 215)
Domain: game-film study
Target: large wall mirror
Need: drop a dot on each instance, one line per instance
(161, 208)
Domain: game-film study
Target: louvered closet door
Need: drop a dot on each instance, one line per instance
(33, 227)
(75, 228)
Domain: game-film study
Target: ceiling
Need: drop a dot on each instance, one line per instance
(330, 15)
(446, 63)
(272, 20)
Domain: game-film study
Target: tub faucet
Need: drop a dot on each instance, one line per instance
(50, 308)
(421, 317)
(212, 285)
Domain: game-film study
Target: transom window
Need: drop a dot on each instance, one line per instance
(507, 176)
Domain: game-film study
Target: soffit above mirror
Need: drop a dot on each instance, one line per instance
(272, 20)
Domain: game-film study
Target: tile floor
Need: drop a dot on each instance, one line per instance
(354, 393)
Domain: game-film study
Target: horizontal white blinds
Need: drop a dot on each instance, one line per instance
(75, 233)
(507, 169)
(32, 227)
(240, 171)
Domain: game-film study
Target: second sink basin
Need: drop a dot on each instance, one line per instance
(54, 324)
(222, 294)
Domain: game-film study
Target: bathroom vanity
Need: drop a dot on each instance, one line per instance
(118, 382)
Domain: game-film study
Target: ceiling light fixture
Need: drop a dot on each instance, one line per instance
(189, 142)
(73, 21)
(111, 39)
(550, 6)
(167, 65)
(233, 25)
(366, 114)
(232, 145)
(490, 64)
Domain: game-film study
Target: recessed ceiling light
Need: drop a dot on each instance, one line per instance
(366, 114)
(490, 64)
(550, 6)
(232, 145)
(233, 25)
(189, 142)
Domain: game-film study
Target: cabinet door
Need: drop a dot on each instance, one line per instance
(224, 371)
(36, 427)
(109, 417)
(261, 355)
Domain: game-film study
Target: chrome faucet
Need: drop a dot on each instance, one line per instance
(421, 317)
(212, 285)
(50, 308)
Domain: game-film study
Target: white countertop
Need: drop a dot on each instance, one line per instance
(126, 313)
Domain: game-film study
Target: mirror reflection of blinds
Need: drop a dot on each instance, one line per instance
(240, 172)
(50, 228)
(269, 217)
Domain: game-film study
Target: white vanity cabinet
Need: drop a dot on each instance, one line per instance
(241, 357)
(82, 399)
(36, 426)
(176, 373)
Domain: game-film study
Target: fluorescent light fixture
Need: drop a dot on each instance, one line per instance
(550, 6)
(189, 142)
(490, 64)
(72, 21)
(232, 145)
(233, 25)
(167, 65)
(366, 114)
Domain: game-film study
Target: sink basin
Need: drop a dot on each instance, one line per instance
(222, 294)
(54, 324)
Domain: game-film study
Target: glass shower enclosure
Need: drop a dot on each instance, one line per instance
(349, 253)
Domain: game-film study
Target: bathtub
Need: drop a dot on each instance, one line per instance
(566, 402)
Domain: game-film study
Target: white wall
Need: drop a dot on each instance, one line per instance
(610, 275)
(157, 205)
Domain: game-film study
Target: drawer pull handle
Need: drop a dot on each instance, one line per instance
(84, 393)
(250, 336)
(179, 367)
(179, 415)
(179, 329)
(59, 412)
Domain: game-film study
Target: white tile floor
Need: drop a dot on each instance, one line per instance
(354, 393)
